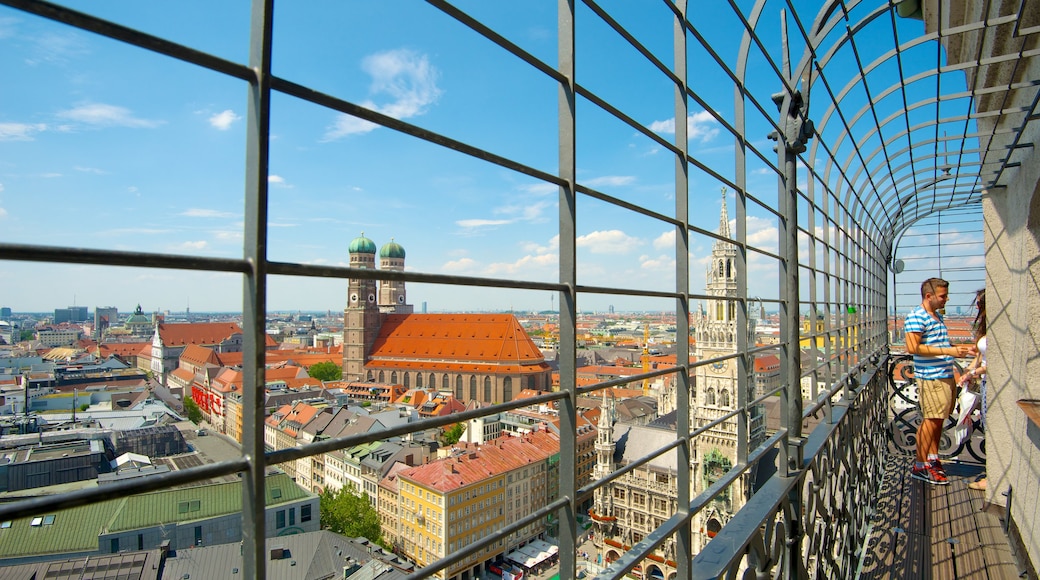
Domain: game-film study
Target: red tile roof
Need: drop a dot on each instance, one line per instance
(474, 338)
(198, 355)
(124, 349)
(204, 333)
(477, 464)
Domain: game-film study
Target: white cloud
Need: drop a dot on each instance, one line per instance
(206, 213)
(55, 47)
(481, 223)
(658, 264)
(135, 232)
(460, 266)
(279, 181)
(540, 188)
(20, 131)
(1, 187)
(93, 170)
(665, 241)
(102, 115)
(227, 235)
(223, 120)
(762, 233)
(702, 126)
(610, 181)
(608, 242)
(196, 246)
(3, 212)
(536, 248)
(406, 77)
(525, 265)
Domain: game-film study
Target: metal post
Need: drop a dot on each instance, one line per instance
(795, 131)
(568, 299)
(254, 291)
(684, 537)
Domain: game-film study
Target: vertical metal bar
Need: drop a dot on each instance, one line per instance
(254, 291)
(684, 539)
(568, 299)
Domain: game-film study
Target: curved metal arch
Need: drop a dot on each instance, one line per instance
(886, 144)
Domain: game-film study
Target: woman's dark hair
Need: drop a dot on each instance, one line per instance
(980, 318)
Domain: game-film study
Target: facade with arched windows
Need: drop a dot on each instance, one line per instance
(491, 353)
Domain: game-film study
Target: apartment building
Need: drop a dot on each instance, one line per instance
(454, 502)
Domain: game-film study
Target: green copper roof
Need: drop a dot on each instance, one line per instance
(77, 529)
(391, 250)
(362, 245)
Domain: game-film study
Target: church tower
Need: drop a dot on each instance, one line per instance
(392, 297)
(602, 512)
(716, 384)
(361, 319)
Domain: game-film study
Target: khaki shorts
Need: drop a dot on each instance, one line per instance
(937, 397)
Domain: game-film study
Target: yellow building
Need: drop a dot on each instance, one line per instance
(455, 502)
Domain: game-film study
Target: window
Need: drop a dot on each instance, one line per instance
(198, 535)
(487, 389)
(292, 516)
(458, 387)
(114, 546)
(279, 519)
(305, 513)
(473, 388)
(48, 520)
(507, 389)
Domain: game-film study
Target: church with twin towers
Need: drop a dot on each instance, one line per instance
(485, 358)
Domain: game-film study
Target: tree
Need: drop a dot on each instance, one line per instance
(193, 411)
(326, 371)
(453, 434)
(349, 514)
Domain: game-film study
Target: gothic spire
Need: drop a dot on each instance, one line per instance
(724, 217)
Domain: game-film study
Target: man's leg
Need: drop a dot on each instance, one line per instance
(928, 436)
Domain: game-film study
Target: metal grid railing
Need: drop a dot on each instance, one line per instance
(826, 256)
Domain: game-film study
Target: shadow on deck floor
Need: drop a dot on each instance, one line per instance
(926, 531)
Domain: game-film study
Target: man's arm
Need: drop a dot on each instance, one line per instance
(914, 346)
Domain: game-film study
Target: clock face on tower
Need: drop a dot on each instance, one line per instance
(353, 298)
(371, 297)
(719, 366)
(400, 298)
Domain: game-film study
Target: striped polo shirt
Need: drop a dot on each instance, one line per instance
(933, 333)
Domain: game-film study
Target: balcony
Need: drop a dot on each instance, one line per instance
(923, 130)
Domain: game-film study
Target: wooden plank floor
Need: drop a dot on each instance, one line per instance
(935, 532)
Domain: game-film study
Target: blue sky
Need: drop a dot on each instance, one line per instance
(104, 145)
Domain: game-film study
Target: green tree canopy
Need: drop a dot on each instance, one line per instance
(453, 434)
(193, 411)
(347, 513)
(326, 371)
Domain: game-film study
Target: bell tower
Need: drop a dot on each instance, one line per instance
(361, 318)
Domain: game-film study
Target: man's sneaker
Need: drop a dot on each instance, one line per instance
(938, 466)
(928, 474)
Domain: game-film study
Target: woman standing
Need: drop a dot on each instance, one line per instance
(977, 368)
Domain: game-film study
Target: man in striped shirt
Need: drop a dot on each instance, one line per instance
(928, 340)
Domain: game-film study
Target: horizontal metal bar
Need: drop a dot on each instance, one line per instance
(57, 254)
